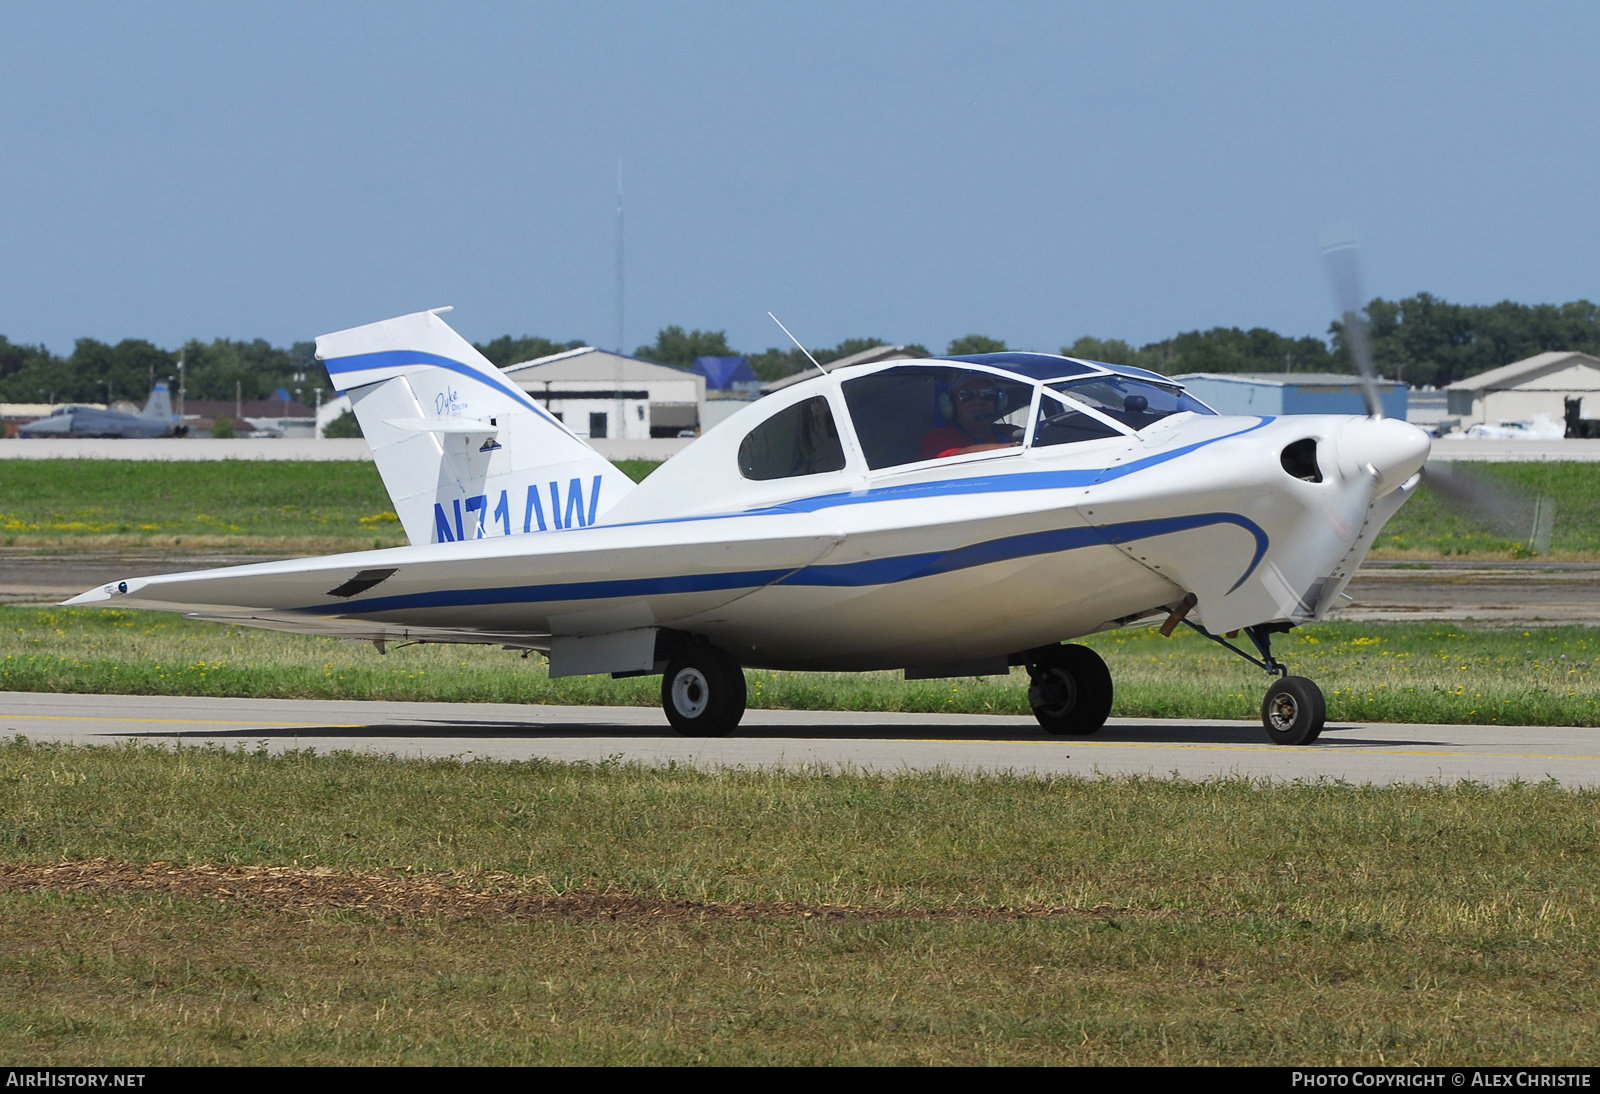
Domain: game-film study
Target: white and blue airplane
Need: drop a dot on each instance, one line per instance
(946, 517)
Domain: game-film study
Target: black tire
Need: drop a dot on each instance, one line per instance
(1293, 711)
(1071, 691)
(703, 692)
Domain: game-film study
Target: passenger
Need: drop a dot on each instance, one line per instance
(972, 410)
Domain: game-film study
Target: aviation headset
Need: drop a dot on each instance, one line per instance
(947, 402)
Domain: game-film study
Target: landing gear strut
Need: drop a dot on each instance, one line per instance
(1071, 692)
(703, 692)
(1294, 711)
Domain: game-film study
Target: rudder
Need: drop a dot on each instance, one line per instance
(159, 405)
(463, 451)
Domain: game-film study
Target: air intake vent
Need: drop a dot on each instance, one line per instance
(1300, 460)
(364, 580)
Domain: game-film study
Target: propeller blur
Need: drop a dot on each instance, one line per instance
(949, 516)
(1530, 520)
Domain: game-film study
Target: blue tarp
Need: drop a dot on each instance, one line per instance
(724, 372)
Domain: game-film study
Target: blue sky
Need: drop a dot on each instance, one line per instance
(1034, 172)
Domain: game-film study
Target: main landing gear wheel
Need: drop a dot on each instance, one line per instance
(1071, 692)
(703, 692)
(1293, 711)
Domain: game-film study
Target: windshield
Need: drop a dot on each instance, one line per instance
(1065, 422)
(1134, 403)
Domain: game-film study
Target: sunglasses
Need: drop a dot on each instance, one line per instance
(968, 394)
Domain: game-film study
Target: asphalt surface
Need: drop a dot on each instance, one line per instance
(27, 577)
(1509, 593)
(886, 743)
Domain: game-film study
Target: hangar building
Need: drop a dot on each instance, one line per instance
(1291, 393)
(870, 356)
(1535, 385)
(603, 394)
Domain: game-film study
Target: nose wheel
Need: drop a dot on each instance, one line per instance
(1293, 711)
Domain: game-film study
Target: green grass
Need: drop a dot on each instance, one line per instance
(242, 504)
(1427, 527)
(337, 505)
(1215, 922)
(1424, 672)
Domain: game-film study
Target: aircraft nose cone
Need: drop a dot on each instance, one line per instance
(1396, 450)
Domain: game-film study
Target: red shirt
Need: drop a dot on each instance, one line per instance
(946, 437)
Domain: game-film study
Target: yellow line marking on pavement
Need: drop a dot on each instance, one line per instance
(177, 721)
(1285, 749)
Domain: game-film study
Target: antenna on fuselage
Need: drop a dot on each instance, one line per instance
(796, 341)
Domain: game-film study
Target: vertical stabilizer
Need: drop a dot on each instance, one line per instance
(463, 451)
(159, 406)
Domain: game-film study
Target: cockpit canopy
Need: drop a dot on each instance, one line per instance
(906, 413)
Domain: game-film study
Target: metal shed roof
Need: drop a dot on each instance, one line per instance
(1520, 372)
(588, 363)
(1285, 379)
(870, 356)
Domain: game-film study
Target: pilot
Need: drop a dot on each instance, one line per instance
(972, 410)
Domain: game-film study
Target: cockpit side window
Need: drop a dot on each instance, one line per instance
(1134, 403)
(799, 440)
(924, 412)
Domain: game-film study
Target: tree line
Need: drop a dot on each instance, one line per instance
(1422, 340)
(97, 372)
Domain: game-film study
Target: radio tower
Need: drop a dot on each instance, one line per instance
(620, 426)
(621, 345)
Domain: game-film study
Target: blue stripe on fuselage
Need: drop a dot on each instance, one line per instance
(882, 571)
(545, 594)
(886, 571)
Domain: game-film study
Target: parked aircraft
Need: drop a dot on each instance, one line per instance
(948, 517)
(155, 420)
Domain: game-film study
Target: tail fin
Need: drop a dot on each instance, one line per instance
(463, 451)
(160, 404)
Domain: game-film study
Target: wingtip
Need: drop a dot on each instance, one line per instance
(90, 597)
(100, 595)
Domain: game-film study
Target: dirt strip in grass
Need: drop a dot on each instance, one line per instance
(456, 895)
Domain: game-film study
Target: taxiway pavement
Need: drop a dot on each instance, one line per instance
(885, 743)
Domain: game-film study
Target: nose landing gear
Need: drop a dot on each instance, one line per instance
(1294, 710)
